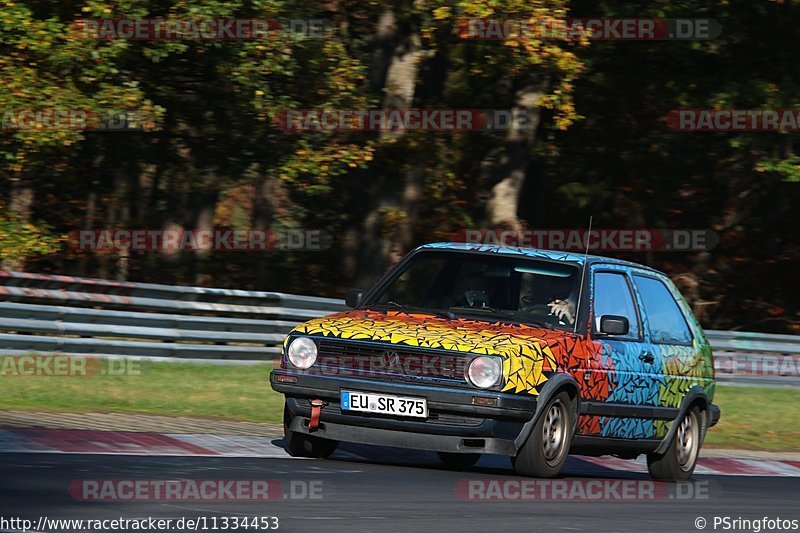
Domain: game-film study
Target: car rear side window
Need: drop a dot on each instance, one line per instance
(612, 296)
(666, 323)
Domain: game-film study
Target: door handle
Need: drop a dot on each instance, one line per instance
(647, 357)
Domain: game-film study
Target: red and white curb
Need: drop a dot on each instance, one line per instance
(84, 441)
(713, 466)
(87, 441)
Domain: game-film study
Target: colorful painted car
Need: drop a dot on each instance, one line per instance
(476, 349)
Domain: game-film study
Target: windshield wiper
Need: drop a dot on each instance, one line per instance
(414, 309)
(484, 310)
(539, 323)
(502, 313)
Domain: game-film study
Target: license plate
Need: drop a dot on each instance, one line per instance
(370, 402)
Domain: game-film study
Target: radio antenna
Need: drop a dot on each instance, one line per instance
(583, 275)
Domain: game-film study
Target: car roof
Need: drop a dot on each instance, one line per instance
(536, 253)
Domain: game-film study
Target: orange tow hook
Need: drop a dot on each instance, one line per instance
(316, 410)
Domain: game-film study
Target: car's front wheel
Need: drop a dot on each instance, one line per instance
(300, 445)
(546, 450)
(678, 462)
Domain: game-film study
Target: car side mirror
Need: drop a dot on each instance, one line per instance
(353, 298)
(614, 325)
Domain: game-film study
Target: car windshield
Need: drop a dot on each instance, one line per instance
(484, 287)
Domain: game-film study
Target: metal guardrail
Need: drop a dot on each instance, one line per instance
(746, 341)
(22, 287)
(81, 316)
(745, 357)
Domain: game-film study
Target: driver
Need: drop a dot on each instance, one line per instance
(478, 290)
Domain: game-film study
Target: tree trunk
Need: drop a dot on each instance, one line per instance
(20, 203)
(385, 243)
(502, 208)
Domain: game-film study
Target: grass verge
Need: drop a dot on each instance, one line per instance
(757, 418)
(175, 389)
(752, 418)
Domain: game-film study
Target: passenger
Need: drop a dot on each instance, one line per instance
(535, 290)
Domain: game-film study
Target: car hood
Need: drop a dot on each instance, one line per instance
(529, 353)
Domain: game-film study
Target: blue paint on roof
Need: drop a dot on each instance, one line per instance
(535, 253)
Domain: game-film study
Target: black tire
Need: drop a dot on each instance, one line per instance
(547, 447)
(300, 445)
(680, 459)
(459, 461)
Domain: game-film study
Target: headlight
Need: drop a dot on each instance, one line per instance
(302, 352)
(484, 372)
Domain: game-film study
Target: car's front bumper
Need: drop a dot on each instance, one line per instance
(455, 423)
(714, 415)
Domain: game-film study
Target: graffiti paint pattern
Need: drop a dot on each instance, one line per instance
(605, 370)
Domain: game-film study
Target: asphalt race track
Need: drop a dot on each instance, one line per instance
(382, 489)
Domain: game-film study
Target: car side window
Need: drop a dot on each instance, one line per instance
(665, 320)
(612, 296)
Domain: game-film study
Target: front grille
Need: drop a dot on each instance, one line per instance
(355, 359)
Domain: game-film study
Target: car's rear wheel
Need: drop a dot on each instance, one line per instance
(459, 461)
(678, 462)
(300, 445)
(546, 450)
